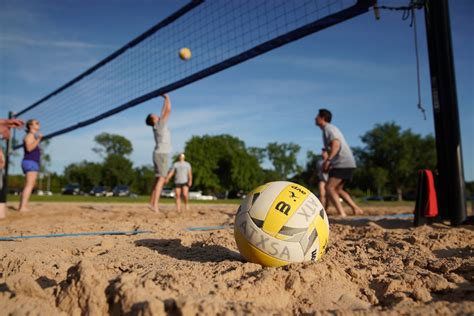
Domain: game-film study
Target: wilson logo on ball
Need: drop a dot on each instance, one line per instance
(283, 207)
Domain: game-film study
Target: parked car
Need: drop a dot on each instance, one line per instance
(197, 195)
(121, 190)
(167, 192)
(100, 190)
(43, 193)
(390, 198)
(15, 191)
(72, 189)
(234, 194)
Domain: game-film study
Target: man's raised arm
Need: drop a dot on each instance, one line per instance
(166, 110)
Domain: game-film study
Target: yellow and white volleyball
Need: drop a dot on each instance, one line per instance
(184, 53)
(280, 223)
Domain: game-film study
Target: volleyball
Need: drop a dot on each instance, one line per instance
(184, 53)
(279, 223)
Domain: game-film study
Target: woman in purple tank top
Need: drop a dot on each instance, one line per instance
(31, 161)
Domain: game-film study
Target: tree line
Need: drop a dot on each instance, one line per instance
(388, 163)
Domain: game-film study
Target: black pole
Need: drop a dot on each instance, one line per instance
(4, 191)
(451, 185)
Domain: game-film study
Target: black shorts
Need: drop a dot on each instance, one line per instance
(180, 185)
(320, 179)
(3, 194)
(341, 173)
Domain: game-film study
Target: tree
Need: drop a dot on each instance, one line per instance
(259, 153)
(283, 158)
(222, 163)
(45, 163)
(143, 180)
(400, 154)
(270, 175)
(308, 177)
(14, 154)
(116, 170)
(116, 167)
(470, 189)
(112, 144)
(45, 156)
(86, 174)
(380, 177)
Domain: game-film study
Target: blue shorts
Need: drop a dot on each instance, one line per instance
(30, 166)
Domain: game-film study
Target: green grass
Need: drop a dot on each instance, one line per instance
(94, 199)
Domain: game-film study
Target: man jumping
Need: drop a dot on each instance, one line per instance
(162, 150)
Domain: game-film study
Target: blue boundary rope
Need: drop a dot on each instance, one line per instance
(375, 217)
(133, 232)
(191, 229)
(378, 217)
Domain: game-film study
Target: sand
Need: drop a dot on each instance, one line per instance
(371, 267)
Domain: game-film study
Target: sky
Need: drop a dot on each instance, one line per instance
(363, 70)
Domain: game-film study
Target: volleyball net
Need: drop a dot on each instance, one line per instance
(220, 34)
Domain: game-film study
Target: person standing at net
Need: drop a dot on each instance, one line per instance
(162, 150)
(5, 125)
(322, 177)
(183, 180)
(31, 161)
(340, 163)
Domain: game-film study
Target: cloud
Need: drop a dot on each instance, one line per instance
(17, 40)
(13, 15)
(35, 51)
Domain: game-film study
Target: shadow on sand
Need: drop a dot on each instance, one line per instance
(466, 252)
(198, 251)
(387, 223)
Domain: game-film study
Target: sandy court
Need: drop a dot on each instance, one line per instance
(371, 266)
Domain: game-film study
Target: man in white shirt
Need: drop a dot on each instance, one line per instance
(183, 180)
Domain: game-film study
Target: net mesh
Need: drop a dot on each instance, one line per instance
(214, 31)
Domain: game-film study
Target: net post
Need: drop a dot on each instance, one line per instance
(376, 10)
(4, 190)
(451, 185)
